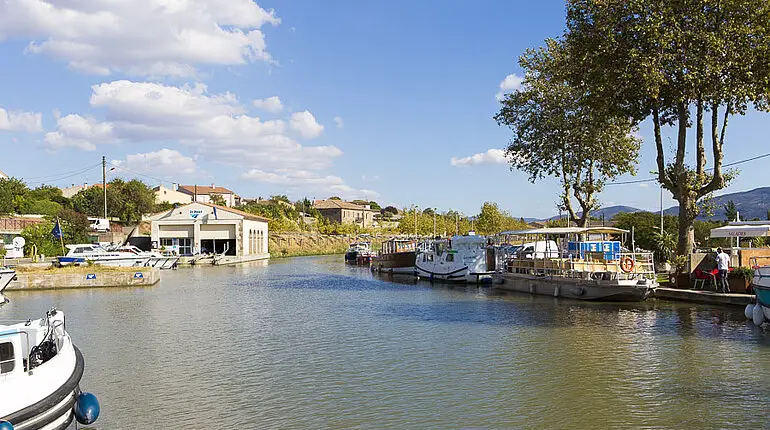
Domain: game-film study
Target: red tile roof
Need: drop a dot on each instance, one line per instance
(204, 189)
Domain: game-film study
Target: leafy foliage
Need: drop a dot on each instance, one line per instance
(556, 132)
(217, 199)
(126, 200)
(676, 63)
(731, 212)
(490, 220)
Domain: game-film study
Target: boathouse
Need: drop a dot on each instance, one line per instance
(199, 228)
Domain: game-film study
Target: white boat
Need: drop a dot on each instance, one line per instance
(156, 259)
(6, 276)
(40, 371)
(576, 263)
(760, 312)
(459, 259)
(89, 253)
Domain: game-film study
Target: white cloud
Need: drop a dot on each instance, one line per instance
(492, 156)
(309, 182)
(339, 122)
(80, 132)
(306, 125)
(270, 104)
(31, 122)
(140, 37)
(157, 162)
(511, 83)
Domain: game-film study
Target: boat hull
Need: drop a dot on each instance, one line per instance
(397, 262)
(54, 411)
(579, 289)
(452, 274)
(6, 277)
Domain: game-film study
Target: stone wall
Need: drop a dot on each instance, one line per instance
(294, 244)
(87, 278)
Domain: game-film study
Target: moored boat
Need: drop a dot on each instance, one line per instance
(91, 253)
(459, 259)
(760, 312)
(356, 250)
(40, 372)
(6, 276)
(568, 264)
(155, 259)
(396, 256)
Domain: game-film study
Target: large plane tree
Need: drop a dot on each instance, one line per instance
(557, 134)
(685, 65)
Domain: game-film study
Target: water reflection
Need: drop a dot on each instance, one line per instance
(312, 343)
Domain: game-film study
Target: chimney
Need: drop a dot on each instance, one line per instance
(175, 186)
(212, 187)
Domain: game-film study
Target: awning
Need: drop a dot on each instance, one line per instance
(561, 231)
(741, 231)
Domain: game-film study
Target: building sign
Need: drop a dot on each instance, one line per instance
(195, 213)
(91, 276)
(138, 275)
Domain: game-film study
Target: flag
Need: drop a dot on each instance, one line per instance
(56, 232)
(215, 212)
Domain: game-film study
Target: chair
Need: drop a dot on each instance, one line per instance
(702, 276)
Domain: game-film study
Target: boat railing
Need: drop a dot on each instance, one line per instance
(593, 266)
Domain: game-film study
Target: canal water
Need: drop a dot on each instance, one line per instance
(311, 343)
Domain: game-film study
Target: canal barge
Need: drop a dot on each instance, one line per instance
(459, 259)
(584, 265)
(397, 256)
(359, 253)
(40, 372)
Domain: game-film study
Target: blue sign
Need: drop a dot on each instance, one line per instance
(195, 213)
(138, 275)
(91, 276)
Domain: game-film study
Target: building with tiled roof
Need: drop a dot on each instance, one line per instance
(345, 212)
(202, 193)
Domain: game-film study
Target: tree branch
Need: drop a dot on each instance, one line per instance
(717, 180)
(681, 144)
(662, 177)
(701, 151)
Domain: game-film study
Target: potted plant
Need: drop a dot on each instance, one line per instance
(682, 277)
(739, 279)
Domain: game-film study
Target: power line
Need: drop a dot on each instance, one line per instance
(63, 174)
(59, 178)
(734, 163)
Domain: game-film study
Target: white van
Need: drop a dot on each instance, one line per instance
(100, 224)
(539, 249)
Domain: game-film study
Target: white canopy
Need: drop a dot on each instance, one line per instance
(741, 230)
(561, 231)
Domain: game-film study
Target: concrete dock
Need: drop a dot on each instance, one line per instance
(87, 277)
(701, 296)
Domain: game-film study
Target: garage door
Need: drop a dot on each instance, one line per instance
(217, 231)
(175, 231)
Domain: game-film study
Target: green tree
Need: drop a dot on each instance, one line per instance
(490, 220)
(334, 198)
(731, 212)
(675, 63)
(374, 205)
(39, 207)
(12, 192)
(127, 201)
(217, 199)
(557, 133)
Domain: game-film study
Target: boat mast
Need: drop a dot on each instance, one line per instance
(104, 183)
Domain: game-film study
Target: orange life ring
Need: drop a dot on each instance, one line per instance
(627, 264)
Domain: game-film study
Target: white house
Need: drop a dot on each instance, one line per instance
(171, 195)
(203, 193)
(205, 228)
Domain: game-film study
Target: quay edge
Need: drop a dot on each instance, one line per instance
(94, 278)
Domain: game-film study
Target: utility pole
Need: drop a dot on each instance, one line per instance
(104, 183)
(457, 223)
(661, 209)
(415, 221)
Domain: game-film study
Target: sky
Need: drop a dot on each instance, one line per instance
(389, 101)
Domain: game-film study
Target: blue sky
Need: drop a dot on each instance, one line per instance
(367, 99)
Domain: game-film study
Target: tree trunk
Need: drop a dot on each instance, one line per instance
(687, 213)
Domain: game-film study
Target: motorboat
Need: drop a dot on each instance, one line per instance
(156, 259)
(40, 372)
(6, 276)
(396, 256)
(459, 259)
(574, 262)
(358, 252)
(92, 253)
(760, 283)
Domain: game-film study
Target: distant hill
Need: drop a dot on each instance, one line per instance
(750, 204)
(608, 212)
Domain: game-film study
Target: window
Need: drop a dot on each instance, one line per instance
(450, 257)
(7, 360)
(184, 244)
(430, 257)
(82, 250)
